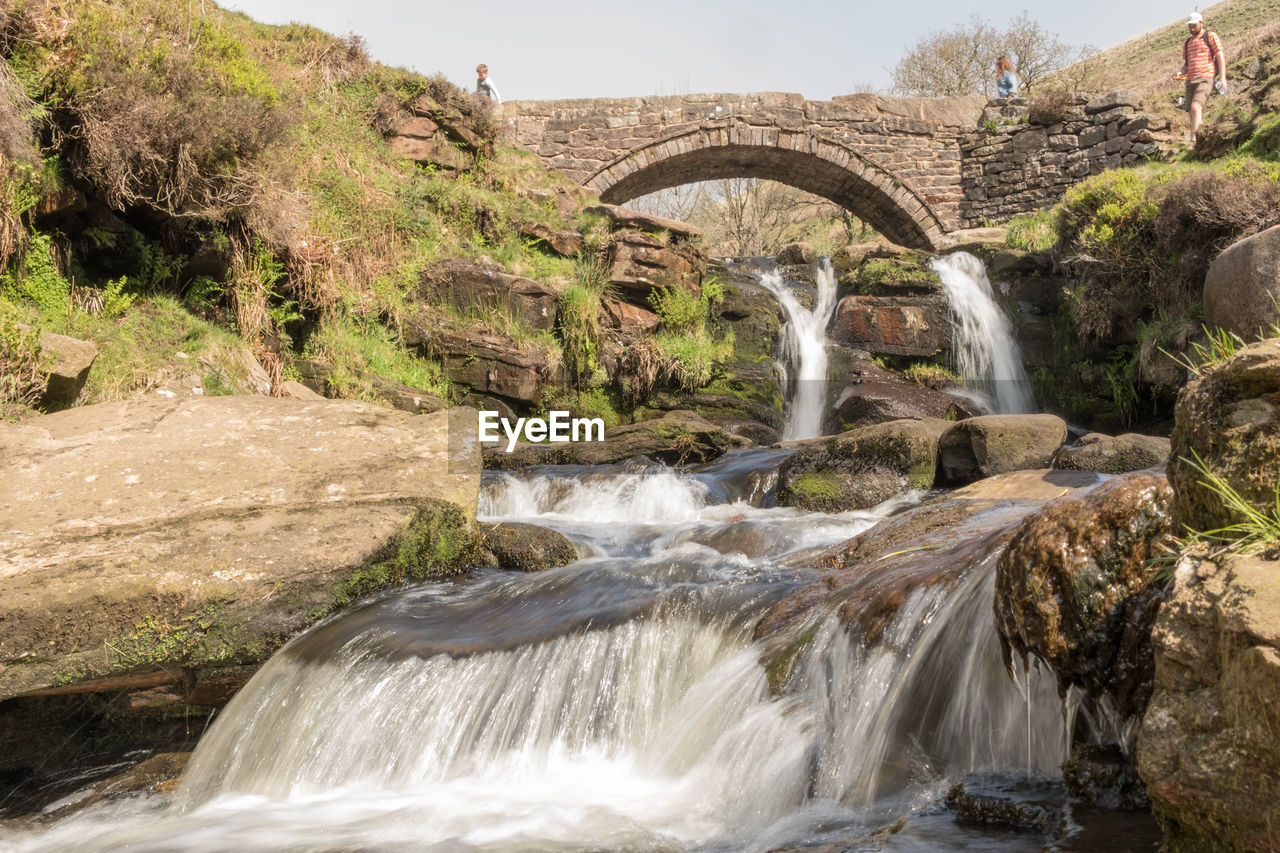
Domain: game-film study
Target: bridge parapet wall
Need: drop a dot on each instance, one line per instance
(1024, 156)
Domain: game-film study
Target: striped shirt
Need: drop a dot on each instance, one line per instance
(1199, 57)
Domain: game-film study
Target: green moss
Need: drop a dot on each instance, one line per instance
(817, 486)
(888, 276)
(778, 670)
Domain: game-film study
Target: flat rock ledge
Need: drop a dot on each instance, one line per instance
(180, 537)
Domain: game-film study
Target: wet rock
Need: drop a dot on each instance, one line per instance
(481, 287)
(1103, 776)
(754, 316)
(797, 254)
(1243, 284)
(199, 532)
(676, 438)
(873, 401)
(862, 467)
(526, 547)
(1230, 419)
(1076, 588)
(1014, 804)
(916, 326)
(996, 444)
(1113, 454)
(868, 578)
(1208, 749)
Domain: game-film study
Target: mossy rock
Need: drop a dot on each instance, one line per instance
(526, 547)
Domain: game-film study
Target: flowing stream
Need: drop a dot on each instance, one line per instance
(804, 349)
(982, 343)
(619, 702)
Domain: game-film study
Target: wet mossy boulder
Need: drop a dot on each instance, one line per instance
(525, 547)
(1108, 454)
(1077, 588)
(676, 438)
(862, 467)
(1229, 419)
(997, 444)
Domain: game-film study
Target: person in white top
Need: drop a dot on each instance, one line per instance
(484, 86)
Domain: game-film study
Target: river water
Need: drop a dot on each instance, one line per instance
(621, 702)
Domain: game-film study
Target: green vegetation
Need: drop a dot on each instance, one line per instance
(687, 350)
(1257, 530)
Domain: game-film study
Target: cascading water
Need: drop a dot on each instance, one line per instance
(616, 703)
(804, 350)
(982, 342)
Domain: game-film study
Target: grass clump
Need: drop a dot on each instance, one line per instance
(1257, 529)
(687, 350)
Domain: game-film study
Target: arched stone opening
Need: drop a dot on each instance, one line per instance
(800, 160)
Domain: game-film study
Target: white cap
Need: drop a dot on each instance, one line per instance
(1194, 18)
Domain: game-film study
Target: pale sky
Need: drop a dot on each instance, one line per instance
(556, 49)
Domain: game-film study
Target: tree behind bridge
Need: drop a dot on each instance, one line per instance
(961, 60)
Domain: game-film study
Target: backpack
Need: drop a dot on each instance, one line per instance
(1213, 54)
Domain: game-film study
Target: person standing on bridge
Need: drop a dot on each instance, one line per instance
(484, 86)
(1006, 79)
(1202, 61)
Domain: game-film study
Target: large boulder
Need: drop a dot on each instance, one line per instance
(525, 547)
(1077, 588)
(873, 401)
(198, 532)
(640, 263)
(1110, 454)
(862, 467)
(1242, 286)
(1229, 419)
(996, 444)
(1208, 748)
(487, 362)
(65, 362)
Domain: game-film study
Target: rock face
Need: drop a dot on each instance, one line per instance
(862, 467)
(1230, 419)
(1208, 749)
(526, 547)
(676, 438)
(480, 287)
(203, 532)
(1075, 588)
(1243, 285)
(1113, 454)
(872, 401)
(996, 444)
(915, 326)
(487, 362)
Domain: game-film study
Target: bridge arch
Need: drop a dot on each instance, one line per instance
(804, 160)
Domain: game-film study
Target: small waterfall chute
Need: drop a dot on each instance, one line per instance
(982, 343)
(804, 350)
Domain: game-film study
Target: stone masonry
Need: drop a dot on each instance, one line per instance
(915, 168)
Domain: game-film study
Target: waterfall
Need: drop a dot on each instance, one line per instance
(982, 342)
(804, 350)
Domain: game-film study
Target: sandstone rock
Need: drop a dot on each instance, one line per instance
(1076, 588)
(1111, 100)
(487, 362)
(1208, 750)
(376, 389)
(872, 401)
(625, 217)
(754, 315)
(893, 326)
(862, 467)
(481, 287)
(1230, 419)
(298, 391)
(436, 151)
(526, 547)
(996, 444)
(628, 317)
(201, 531)
(66, 362)
(640, 264)
(563, 242)
(676, 438)
(1113, 454)
(1242, 286)
(971, 239)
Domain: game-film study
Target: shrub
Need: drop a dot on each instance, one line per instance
(579, 331)
(37, 279)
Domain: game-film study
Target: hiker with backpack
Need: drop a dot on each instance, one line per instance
(1202, 63)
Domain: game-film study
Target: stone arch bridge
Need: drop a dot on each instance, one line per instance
(914, 168)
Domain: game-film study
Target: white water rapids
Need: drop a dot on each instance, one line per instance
(616, 703)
